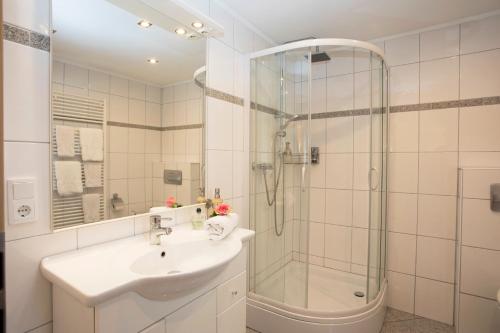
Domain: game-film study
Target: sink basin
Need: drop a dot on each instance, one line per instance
(173, 269)
(186, 261)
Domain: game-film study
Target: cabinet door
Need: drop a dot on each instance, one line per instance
(199, 316)
(234, 319)
(158, 327)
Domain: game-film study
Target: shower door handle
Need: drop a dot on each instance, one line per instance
(373, 171)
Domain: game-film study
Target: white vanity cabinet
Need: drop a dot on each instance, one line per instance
(217, 307)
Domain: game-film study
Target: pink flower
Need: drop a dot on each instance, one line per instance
(170, 202)
(222, 209)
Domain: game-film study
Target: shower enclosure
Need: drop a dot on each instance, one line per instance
(318, 186)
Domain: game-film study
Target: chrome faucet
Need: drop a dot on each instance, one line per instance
(156, 230)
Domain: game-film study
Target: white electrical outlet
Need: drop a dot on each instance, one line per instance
(22, 200)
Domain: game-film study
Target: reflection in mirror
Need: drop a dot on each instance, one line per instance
(127, 114)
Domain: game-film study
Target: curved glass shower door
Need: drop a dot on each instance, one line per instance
(318, 174)
(279, 176)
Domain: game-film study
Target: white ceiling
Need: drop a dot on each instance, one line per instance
(97, 34)
(285, 20)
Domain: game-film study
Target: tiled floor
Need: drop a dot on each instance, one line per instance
(401, 322)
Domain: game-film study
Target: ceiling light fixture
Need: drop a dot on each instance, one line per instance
(180, 31)
(144, 24)
(153, 60)
(197, 25)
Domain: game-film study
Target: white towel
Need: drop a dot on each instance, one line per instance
(93, 174)
(68, 177)
(91, 204)
(91, 143)
(220, 226)
(65, 141)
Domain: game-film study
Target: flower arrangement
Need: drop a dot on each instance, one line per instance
(222, 209)
(171, 202)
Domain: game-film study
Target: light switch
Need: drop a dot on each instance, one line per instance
(23, 190)
(22, 200)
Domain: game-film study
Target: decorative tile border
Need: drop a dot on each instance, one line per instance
(154, 128)
(492, 100)
(224, 96)
(26, 37)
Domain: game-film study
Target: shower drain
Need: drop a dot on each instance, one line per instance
(359, 294)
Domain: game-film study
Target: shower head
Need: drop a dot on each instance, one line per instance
(318, 57)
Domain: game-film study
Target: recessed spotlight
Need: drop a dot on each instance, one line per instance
(180, 31)
(197, 25)
(144, 24)
(153, 60)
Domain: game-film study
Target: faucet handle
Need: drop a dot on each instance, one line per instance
(155, 221)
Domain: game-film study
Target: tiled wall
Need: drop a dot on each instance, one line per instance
(478, 272)
(426, 149)
(131, 150)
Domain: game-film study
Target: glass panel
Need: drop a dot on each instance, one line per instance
(377, 177)
(279, 201)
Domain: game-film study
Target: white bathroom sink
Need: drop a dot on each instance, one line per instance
(186, 260)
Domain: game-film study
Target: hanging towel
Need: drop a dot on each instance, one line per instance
(65, 141)
(93, 174)
(68, 177)
(91, 143)
(220, 226)
(91, 204)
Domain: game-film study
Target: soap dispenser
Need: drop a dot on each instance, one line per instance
(197, 219)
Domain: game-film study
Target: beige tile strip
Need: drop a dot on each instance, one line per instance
(224, 96)
(26, 37)
(154, 128)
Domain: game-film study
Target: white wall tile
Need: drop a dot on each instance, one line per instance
(439, 43)
(438, 173)
(339, 135)
(441, 294)
(437, 216)
(153, 94)
(337, 242)
(220, 172)
(476, 182)
(343, 62)
(404, 132)
(118, 166)
(243, 38)
(118, 86)
(340, 93)
(404, 84)
(480, 225)
(404, 172)
(439, 80)
(136, 140)
(220, 67)
(361, 136)
(480, 74)
(436, 258)
(26, 73)
(401, 291)
(318, 95)
(478, 315)
(98, 81)
(479, 272)
(105, 232)
(76, 76)
(153, 142)
(362, 91)
(153, 114)
(137, 112)
(29, 160)
(118, 139)
(317, 205)
(401, 253)
(318, 70)
(361, 171)
(317, 239)
(478, 128)
(438, 130)
(402, 213)
(118, 109)
(338, 207)
(480, 35)
(359, 246)
(137, 90)
(403, 50)
(219, 124)
(28, 296)
(360, 214)
(340, 171)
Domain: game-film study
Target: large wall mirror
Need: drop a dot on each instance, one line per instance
(127, 111)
